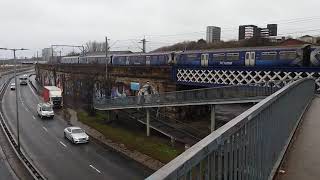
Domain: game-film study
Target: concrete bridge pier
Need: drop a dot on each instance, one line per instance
(213, 118)
(148, 122)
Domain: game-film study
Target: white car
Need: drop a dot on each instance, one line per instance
(45, 110)
(13, 86)
(76, 135)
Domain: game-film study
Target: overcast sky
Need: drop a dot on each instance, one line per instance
(36, 24)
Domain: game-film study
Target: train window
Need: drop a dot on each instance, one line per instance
(191, 56)
(247, 55)
(232, 56)
(269, 56)
(161, 58)
(218, 57)
(285, 55)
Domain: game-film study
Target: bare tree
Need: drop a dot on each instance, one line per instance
(94, 46)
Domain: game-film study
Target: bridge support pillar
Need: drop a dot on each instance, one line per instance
(213, 118)
(148, 122)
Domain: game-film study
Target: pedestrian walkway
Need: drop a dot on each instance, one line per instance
(302, 161)
(209, 96)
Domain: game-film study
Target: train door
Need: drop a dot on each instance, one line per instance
(148, 60)
(250, 59)
(204, 60)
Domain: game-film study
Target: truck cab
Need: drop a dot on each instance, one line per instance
(53, 96)
(45, 110)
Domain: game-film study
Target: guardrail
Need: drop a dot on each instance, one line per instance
(35, 173)
(251, 146)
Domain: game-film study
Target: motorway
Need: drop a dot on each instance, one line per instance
(56, 157)
(6, 171)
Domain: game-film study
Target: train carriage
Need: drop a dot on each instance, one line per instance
(70, 60)
(147, 59)
(250, 57)
(277, 56)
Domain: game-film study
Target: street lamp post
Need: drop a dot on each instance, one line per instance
(16, 84)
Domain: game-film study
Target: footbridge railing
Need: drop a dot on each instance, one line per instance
(223, 95)
(251, 145)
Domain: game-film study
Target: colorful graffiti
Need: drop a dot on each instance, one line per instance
(120, 89)
(48, 78)
(59, 81)
(147, 89)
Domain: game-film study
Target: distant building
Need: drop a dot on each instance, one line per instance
(292, 42)
(277, 39)
(213, 34)
(309, 39)
(47, 53)
(247, 31)
(273, 29)
(250, 31)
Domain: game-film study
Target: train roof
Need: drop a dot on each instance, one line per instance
(69, 57)
(98, 55)
(146, 54)
(244, 49)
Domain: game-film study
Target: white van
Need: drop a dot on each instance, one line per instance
(45, 110)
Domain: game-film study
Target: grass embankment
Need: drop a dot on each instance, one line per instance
(132, 140)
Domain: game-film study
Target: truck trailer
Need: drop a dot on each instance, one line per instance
(53, 96)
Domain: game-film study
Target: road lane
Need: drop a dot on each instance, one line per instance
(93, 152)
(72, 161)
(10, 166)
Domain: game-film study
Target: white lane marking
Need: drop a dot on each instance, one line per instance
(62, 144)
(34, 117)
(95, 169)
(45, 128)
(26, 109)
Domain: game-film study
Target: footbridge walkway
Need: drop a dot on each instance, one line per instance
(216, 95)
(140, 108)
(252, 145)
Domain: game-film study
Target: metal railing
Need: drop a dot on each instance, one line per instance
(251, 145)
(192, 97)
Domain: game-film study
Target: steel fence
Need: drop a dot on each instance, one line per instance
(248, 147)
(239, 92)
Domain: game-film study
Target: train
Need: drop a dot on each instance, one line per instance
(272, 56)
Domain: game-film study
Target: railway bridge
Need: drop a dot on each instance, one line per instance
(217, 76)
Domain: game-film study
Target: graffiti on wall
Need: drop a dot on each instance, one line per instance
(59, 81)
(68, 86)
(98, 90)
(147, 89)
(120, 89)
(47, 78)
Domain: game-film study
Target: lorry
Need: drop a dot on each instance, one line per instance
(53, 96)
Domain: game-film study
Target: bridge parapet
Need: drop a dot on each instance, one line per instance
(251, 145)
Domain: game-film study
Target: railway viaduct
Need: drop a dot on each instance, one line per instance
(81, 82)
